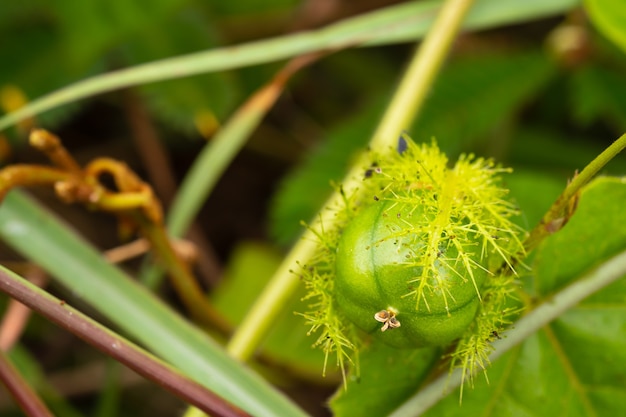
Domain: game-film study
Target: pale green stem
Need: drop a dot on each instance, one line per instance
(559, 208)
(271, 301)
(544, 313)
(594, 167)
(401, 111)
(419, 76)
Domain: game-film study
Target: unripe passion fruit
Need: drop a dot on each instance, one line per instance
(396, 267)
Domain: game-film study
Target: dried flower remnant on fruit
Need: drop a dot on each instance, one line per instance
(388, 318)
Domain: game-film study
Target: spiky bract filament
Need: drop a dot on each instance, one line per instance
(450, 226)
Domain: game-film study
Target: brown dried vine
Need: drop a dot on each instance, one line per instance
(132, 201)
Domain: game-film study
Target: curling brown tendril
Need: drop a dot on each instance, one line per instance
(133, 202)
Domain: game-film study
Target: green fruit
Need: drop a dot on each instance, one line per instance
(380, 261)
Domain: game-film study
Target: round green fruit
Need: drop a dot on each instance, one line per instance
(380, 261)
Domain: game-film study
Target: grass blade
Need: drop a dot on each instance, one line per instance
(40, 237)
(400, 23)
(110, 343)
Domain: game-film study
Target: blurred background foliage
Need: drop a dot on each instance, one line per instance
(543, 97)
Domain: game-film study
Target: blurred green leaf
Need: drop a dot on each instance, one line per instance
(387, 377)
(533, 192)
(28, 366)
(179, 102)
(589, 237)
(555, 152)
(599, 94)
(31, 370)
(533, 380)
(63, 41)
(34, 64)
(327, 163)
(90, 29)
(609, 16)
(41, 238)
(250, 268)
(109, 399)
(15, 11)
(476, 93)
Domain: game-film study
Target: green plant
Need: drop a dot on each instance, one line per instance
(531, 312)
(417, 254)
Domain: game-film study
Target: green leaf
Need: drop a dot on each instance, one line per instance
(599, 93)
(554, 152)
(576, 365)
(533, 192)
(40, 46)
(30, 368)
(323, 165)
(588, 238)
(387, 377)
(573, 367)
(17, 11)
(90, 29)
(179, 102)
(609, 16)
(40, 237)
(530, 381)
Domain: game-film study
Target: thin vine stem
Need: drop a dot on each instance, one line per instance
(564, 205)
(183, 280)
(411, 93)
(402, 109)
(23, 394)
(115, 346)
(544, 313)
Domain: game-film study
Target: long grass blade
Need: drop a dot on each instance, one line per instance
(400, 23)
(39, 236)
